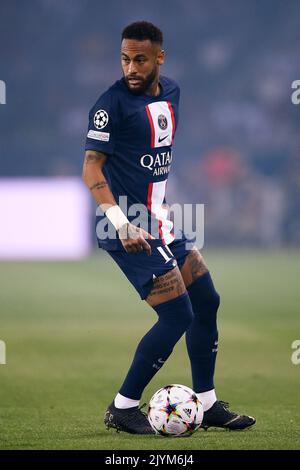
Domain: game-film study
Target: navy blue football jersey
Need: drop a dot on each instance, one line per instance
(136, 132)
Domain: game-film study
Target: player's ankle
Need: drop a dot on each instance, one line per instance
(123, 402)
(207, 399)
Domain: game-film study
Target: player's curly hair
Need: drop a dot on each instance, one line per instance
(142, 30)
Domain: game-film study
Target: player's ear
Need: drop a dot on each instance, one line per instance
(161, 57)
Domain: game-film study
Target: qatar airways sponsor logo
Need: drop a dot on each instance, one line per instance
(160, 164)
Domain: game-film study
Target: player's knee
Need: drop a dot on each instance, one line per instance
(186, 317)
(177, 312)
(213, 300)
(207, 308)
(204, 297)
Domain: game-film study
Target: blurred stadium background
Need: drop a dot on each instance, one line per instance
(236, 151)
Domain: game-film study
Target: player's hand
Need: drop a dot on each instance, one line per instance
(134, 238)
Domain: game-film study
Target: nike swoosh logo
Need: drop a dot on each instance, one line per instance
(163, 138)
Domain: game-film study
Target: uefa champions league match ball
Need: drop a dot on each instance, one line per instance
(175, 410)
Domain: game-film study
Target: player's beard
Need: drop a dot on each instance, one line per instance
(145, 83)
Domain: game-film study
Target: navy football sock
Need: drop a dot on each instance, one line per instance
(155, 347)
(202, 336)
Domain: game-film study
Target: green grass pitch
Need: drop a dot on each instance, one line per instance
(71, 329)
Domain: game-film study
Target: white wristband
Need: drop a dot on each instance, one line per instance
(116, 216)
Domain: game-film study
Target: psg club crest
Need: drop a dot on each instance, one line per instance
(100, 119)
(162, 122)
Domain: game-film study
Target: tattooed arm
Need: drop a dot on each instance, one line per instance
(193, 267)
(132, 237)
(95, 180)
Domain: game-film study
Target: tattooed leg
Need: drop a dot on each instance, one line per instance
(166, 287)
(193, 267)
(174, 310)
(202, 336)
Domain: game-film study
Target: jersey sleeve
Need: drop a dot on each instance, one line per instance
(103, 122)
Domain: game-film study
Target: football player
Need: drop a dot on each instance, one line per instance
(129, 153)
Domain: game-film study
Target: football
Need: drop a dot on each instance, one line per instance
(175, 410)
